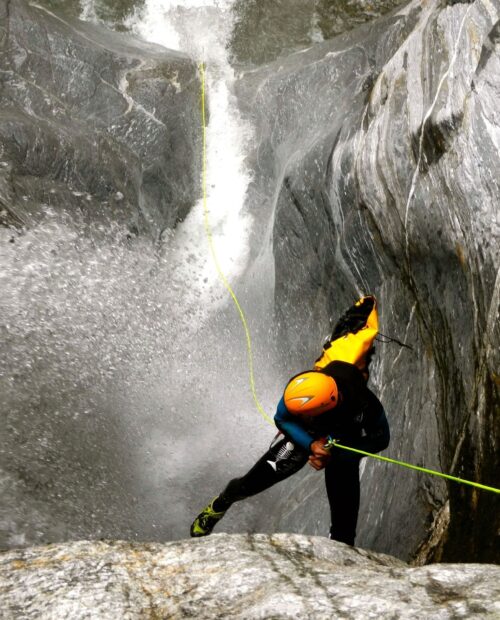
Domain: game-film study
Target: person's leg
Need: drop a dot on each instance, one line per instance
(281, 461)
(342, 487)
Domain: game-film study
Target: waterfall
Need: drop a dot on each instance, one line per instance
(201, 30)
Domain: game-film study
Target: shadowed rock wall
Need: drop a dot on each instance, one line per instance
(94, 122)
(384, 146)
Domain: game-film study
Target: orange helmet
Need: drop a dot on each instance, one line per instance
(311, 393)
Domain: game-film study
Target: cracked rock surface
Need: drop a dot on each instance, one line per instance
(237, 576)
(94, 123)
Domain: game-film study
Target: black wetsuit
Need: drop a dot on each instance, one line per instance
(358, 421)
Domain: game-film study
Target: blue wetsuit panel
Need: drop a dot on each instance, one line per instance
(288, 425)
(343, 426)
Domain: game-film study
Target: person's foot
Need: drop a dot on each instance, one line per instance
(206, 521)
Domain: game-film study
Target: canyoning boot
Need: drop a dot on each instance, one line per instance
(206, 520)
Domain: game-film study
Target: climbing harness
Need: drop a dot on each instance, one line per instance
(372, 326)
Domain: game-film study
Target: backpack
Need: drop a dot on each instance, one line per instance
(353, 336)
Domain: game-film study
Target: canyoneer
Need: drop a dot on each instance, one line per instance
(329, 402)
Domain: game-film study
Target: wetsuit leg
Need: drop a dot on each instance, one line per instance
(281, 461)
(342, 487)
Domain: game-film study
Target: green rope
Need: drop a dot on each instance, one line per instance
(333, 443)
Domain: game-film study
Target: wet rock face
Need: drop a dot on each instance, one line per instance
(266, 30)
(258, 576)
(93, 122)
(113, 12)
(385, 150)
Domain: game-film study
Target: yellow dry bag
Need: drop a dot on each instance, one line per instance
(353, 336)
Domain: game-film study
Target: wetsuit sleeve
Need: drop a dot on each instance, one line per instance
(375, 425)
(288, 425)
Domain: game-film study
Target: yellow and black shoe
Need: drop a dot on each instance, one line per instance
(206, 521)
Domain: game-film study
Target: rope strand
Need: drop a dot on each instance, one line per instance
(390, 339)
(222, 277)
(333, 443)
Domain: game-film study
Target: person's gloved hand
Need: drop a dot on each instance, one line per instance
(319, 456)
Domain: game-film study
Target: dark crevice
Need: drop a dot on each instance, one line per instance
(436, 139)
(489, 48)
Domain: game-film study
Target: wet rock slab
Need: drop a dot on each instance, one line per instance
(238, 576)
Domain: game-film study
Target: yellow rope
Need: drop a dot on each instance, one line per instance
(223, 278)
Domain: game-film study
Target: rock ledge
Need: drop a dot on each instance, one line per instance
(238, 576)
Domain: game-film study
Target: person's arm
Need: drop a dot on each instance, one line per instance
(288, 425)
(375, 425)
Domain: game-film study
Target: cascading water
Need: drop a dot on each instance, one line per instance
(200, 29)
(124, 378)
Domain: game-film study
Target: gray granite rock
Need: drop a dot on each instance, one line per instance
(266, 30)
(378, 160)
(94, 123)
(112, 12)
(258, 576)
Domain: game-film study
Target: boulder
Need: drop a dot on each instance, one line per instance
(239, 576)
